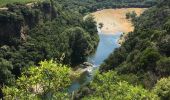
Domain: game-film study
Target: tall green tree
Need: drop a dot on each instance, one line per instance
(162, 88)
(109, 86)
(50, 80)
(5, 72)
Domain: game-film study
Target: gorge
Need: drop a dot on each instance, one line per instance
(84, 49)
(115, 24)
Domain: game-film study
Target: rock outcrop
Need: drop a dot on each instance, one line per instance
(17, 19)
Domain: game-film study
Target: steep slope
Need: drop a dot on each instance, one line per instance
(44, 31)
(146, 51)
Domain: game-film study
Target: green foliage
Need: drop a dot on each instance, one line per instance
(146, 50)
(100, 25)
(113, 60)
(163, 65)
(5, 71)
(162, 88)
(45, 32)
(128, 15)
(148, 58)
(50, 30)
(167, 25)
(164, 45)
(49, 80)
(108, 86)
(79, 41)
(4, 2)
(131, 15)
(86, 6)
(90, 24)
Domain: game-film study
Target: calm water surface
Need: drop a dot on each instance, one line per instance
(107, 44)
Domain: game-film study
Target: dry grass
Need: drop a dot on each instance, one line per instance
(114, 20)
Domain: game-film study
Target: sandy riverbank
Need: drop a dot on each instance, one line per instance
(114, 20)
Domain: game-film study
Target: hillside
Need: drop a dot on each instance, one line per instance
(41, 44)
(29, 35)
(145, 53)
(86, 6)
(140, 68)
(4, 2)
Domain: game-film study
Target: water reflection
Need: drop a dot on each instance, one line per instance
(107, 44)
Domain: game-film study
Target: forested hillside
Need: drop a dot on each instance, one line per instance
(30, 36)
(45, 30)
(139, 69)
(146, 51)
(86, 6)
(5, 2)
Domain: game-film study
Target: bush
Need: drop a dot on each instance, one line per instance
(50, 80)
(163, 66)
(162, 88)
(109, 86)
(148, 59)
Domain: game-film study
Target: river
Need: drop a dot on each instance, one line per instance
(114, 24)
(107, 44)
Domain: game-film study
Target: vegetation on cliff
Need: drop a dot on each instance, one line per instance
(5, 2)
(45, 30)
(146, 51)
(139, 69)
(50, 80)
(86, 6)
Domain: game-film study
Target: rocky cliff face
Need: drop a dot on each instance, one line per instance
(18, 19)
(10, 24)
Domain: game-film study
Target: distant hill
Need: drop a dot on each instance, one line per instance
(4, 2)
(85, 6)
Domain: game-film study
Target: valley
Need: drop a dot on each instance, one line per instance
(84, 50)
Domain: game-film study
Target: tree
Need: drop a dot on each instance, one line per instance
(162, 88)
(50, 80)
(131, 15)
(167, 26)
(164, 45)
(90, 25)
(128, 15)
(109, 86)
(6, 76)
(148, 59)
(163, 66)
(80, 44)
(100, 25)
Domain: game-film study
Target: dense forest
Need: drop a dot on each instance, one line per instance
(86, 6)
(144, 56)
(30, 36)
(145, 52)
